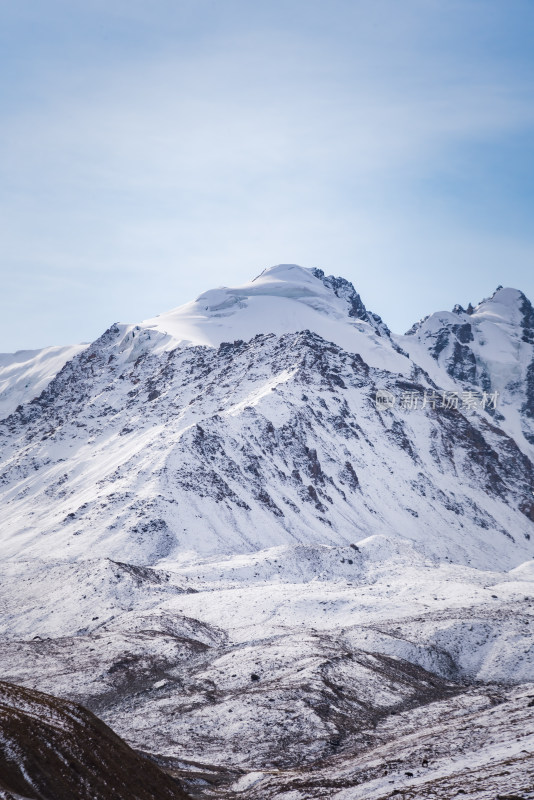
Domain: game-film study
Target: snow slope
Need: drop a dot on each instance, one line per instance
(230, 450)
(24, 375)
(283, 299)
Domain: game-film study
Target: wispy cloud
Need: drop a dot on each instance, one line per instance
(199, 149)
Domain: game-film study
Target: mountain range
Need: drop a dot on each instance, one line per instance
(267, 505)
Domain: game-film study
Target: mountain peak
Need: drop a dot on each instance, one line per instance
(285, 298)
(490, 347)
(290, 273)
(505, 304)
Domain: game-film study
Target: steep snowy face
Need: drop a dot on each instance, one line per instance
(24, 375)
(283, 299)
(490, 348)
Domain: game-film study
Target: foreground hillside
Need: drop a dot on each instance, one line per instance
(54, 750)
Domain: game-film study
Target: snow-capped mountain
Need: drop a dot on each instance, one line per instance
(275, 546)
(283, 299)
(174, 437)
(488, 347)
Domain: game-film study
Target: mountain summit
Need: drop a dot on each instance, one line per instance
(282, 299)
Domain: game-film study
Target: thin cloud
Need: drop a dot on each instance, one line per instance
(245, 143)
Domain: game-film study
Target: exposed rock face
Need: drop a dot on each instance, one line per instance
(344, 289)
(490, 348)
(527, 409)
(51, 749)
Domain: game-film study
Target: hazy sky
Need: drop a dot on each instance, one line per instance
(152, 150)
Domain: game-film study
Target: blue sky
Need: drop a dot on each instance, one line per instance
(152, 150)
